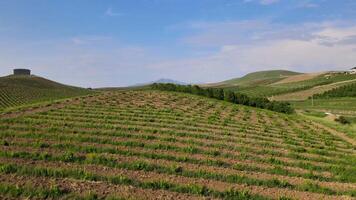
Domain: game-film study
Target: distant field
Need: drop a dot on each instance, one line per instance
(345, 105)
(305, 94)
(296, 90)
(150, 144)
(21, 90)
(258, 78)
(299, 77)
(348, 129)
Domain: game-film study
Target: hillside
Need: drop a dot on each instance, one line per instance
(314, 89)
(167, 145)
(299, 78)
(285, 88)
(258, 78)
(162, 80)
(348, 90)
(19, 90)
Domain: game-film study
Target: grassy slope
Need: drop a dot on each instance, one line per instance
(314, 86)
(261, 77)
(348, 129)
(20, 90)
(343, 105)
(171, 142)
(277, 90)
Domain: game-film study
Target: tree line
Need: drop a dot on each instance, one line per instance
(227, 95)
(343, 91)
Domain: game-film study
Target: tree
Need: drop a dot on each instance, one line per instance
(229, 96)
(219, 94)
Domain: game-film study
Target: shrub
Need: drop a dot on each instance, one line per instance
(228, 96)
(342, 120)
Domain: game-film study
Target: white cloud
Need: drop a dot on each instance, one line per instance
(93, 62)
(245, 47)
(307, 4)
(216, 51)
(85, 40)
(110, 12)
(263, 2)
(267, 2)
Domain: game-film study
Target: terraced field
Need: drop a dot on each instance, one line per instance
(300, 90)
(165, 145)
(21, 90)
(305, 94)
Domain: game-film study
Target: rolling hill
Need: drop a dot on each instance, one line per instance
(258, 78)
(20, 90)
(167, 145)
(162, 80)
(315, 88)
(280, 83)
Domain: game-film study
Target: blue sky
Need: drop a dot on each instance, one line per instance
(123, 42)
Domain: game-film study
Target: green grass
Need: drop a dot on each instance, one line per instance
(261, 77)
(22, 90)
(348, 129)
(175, 142)
(30, 191)
(266, 90)
(315, 113)
(193, 189)
(343, 106)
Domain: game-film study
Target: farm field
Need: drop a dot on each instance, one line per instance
(167, 145)
(23, 90)
(291, 90)
(329, 121)
(260, 77)
(342, 106)
(305, 94)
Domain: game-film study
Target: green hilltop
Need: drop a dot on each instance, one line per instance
(260, 77)
(16, 90)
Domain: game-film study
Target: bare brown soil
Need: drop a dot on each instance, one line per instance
(300, 77)
(217, 185)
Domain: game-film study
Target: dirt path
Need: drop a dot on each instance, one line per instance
(332, 131)
(336, 133)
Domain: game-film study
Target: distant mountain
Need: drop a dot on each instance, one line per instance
(162, 80)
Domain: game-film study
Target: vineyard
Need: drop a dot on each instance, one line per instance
(296, 90)
(344, 91)
(20, 90)
(167, 145)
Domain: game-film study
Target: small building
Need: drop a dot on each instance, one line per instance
(22, 72)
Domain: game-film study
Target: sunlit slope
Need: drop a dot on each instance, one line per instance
(317, 84)
(166, 145)
(19, 90)
(305, 89)
(261, 77)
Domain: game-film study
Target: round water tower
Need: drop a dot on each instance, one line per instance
(22, 72)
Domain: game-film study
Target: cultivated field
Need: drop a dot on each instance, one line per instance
(342, 105)
(166, 145)
(294, 90)
(21, 90)
(299, 77)
(305, 94)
